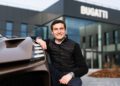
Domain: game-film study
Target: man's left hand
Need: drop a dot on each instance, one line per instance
(66, 78)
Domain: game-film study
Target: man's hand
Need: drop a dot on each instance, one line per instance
(42, 43)
(66, 78)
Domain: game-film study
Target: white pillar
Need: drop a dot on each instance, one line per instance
(100, 45)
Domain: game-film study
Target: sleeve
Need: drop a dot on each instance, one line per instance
(47, 43)
(81, 67)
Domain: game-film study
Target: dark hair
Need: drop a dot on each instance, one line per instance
(58, 21)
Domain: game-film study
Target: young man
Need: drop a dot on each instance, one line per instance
(67, 61)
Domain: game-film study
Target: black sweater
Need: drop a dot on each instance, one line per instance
(67, 57)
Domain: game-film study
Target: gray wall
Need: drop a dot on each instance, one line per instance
(18, 16)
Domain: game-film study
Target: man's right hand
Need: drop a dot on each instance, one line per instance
(42, 43)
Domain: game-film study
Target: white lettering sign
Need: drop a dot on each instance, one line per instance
(90, 11)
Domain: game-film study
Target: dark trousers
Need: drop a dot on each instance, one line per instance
(56, 75)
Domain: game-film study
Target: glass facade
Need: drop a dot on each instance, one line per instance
(73, 29)
(97, 40)
(40, 31)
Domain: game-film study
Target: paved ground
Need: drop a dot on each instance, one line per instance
(91, 81)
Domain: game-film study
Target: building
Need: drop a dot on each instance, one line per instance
(95, 28)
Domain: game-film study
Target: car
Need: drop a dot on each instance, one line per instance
(23, 63)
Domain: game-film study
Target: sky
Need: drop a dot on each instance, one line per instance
(40, 5)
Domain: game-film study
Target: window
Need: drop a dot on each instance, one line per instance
(23, 29)
(115, 36)
(9, 29)
(83, 39)
(106, 38)
(90, 41)
(39, 31)
(96, 39)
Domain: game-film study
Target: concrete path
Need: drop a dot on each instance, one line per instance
(91, 81)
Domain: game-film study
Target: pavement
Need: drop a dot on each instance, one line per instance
(92, 81)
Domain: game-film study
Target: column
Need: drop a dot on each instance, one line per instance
(99, 45)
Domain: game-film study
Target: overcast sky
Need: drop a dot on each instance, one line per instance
(40, 5)
(29, 4)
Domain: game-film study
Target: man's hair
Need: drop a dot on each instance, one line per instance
(56, 22)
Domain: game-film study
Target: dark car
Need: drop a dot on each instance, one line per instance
(22, 63)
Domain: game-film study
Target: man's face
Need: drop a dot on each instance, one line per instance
(59, 31)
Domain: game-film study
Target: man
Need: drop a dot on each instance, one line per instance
(67, 62)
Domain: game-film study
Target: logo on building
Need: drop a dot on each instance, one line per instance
(94, 12)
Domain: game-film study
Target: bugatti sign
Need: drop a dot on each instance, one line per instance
(94, 12)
